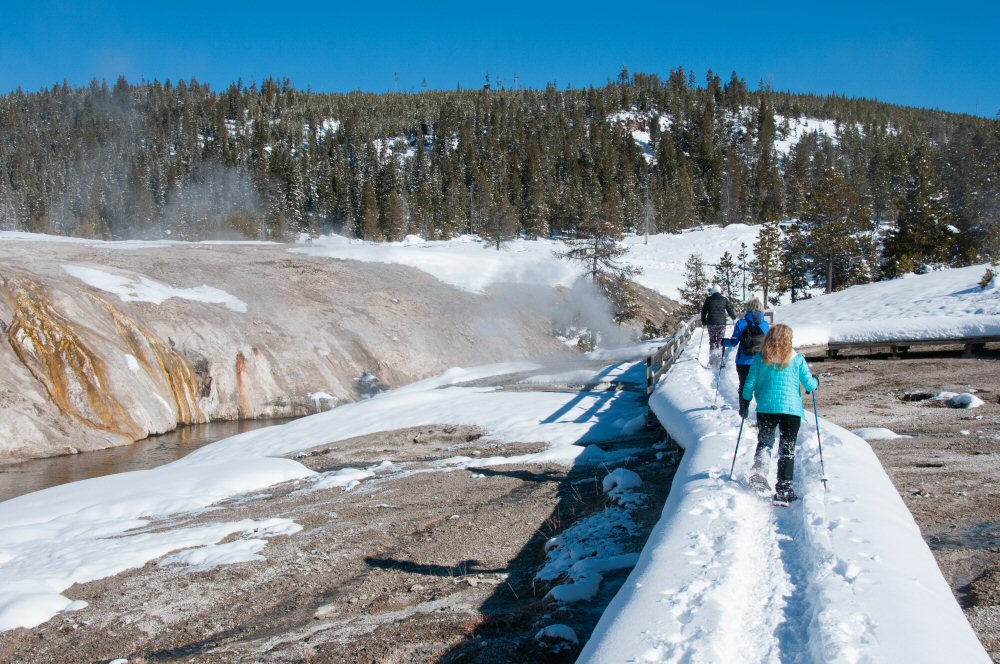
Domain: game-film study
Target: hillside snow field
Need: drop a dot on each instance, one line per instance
(937, 305)
(469, 264)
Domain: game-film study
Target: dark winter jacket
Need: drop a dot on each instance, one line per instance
(714, 311)
(741, 327)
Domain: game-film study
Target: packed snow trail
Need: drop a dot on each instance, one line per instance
(841, 575)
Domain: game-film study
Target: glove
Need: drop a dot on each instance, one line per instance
(744, 411)
(815, 378)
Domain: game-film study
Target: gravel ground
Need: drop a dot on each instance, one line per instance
(947, 471)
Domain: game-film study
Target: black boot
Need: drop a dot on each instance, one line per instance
(784, 493)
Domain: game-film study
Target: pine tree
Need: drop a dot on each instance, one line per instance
(924, 231)
(742, 259)
(795, 263)
(600, 251)
(766, 264)
(369, 214)
(695, 287)
(726, 276)
(395, 217)
(500, 225)
(767, 184)
(833, 221)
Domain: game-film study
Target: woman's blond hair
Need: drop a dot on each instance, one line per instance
(777, 348)
(753, 304)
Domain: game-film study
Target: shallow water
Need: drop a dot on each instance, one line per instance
(28, 476)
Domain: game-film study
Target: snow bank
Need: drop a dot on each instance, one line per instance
(877, 433)
(938, 305)
(839, 576)
(955, 400)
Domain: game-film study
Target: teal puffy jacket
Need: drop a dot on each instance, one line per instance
(776, 389)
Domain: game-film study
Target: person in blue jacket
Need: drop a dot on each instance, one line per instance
(748, 336)
(775, 378)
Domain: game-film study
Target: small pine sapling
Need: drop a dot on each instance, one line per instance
(988, 278)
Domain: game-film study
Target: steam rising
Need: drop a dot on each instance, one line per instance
(581, 308)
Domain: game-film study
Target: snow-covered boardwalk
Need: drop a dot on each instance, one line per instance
(842, 575)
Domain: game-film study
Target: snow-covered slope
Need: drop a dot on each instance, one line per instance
(662, 259)
(937, 305)
(842, 575)
(464, 263)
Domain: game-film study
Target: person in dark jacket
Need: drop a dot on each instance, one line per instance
(754, 326)
(713, 316)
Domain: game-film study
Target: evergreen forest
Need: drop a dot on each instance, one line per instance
(889, 189)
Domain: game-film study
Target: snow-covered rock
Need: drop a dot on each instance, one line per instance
(877, 433)
(963, 400)
(557, 638)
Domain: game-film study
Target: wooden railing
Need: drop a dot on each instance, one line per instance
(658, 363)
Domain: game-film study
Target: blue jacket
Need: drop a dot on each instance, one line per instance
(741, 325)
(776, 389)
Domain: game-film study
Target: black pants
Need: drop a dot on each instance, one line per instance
(743, 370)
(788, 425)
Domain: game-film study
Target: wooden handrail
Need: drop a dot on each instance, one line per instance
(664, 357)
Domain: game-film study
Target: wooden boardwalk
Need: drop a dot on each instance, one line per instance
(897, 347)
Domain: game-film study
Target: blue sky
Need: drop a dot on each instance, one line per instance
(940, 55)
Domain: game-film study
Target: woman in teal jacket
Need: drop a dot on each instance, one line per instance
(775, 378)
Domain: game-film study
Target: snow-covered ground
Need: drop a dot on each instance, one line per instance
(662, 259)
(937, 305)
(840, 576)
(464, 262)
(469, 264)
(843, 575)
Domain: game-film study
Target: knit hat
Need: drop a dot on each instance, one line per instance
(716, 289)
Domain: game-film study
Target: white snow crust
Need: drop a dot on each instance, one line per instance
(877, 433)
(144, 289)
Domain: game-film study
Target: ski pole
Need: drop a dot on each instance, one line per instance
(822, 468)
(740, 435)
(718, 379)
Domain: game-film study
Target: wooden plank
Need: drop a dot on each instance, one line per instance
(959, 341)
(895, 346)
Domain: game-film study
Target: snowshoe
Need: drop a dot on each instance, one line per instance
(784, 498)
(759, 484)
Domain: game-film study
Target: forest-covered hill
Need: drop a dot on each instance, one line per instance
(643, 152)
